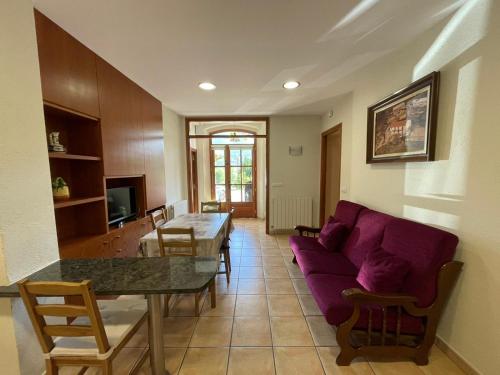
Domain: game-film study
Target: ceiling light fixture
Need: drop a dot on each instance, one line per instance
(207, 86)
(290, 85)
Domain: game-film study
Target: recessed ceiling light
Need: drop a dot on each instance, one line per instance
(207, 86)
(290, 85)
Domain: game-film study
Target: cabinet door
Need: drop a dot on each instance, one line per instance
(117, 243)
(121, 125)
(154, 161)
(67, 68)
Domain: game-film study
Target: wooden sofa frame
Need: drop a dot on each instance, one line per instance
(447, 277)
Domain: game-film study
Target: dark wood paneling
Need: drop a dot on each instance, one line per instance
(122, 136)
(67, 68)
(154, 161)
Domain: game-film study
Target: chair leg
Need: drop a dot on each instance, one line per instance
(197, 304)
(107, 368)
(166, 303)
(51, 367)
(213, 300)
(227, 258)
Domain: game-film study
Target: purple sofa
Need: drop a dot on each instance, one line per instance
(370, 323)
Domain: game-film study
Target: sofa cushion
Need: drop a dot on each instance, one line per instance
(299, 243)
(332, 235)
(365, 236)
(347, 212)
(383, 272)
(327, 291)
(311, 261)
(426, 249)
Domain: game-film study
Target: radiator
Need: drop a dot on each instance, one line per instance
(287, 212)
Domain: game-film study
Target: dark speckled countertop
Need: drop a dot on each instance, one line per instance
(152, 275)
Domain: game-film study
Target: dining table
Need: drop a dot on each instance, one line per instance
(148, 276)
(209, 233)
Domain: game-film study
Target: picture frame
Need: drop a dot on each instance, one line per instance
(402, 127)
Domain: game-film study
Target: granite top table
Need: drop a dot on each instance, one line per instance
(152, 276)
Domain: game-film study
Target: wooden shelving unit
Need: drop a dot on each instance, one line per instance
(76, 201)
(61, 155)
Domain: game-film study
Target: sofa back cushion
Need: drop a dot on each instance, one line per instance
(332, 235)
(426, 249)
(365, 236)
(347, 213)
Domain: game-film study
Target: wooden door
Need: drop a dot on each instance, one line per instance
(331, 147)
(194, 180)
(67, 68)
(154, 161)
(122, 134)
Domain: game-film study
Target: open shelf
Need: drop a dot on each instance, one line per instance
(62, 155)
(77, 201)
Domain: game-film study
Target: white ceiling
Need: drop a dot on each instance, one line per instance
(248, 48)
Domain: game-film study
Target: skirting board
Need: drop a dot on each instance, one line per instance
(456, 358)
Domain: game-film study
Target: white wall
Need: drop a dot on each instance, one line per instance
(459, 192)
(175, 157)
(299, 175)
(27, 222)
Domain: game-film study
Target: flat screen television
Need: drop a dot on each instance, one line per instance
(121, 204)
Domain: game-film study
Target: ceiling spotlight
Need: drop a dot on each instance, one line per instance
(207, 86)
(290, 85)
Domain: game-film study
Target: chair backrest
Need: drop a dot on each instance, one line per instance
(172, 238)
(158, 218)
(31, 290)
(229, 222)
(210, 207)
(169, 212)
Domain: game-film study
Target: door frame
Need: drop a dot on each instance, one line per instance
(188, 137)
(322, 184)
(194, 194)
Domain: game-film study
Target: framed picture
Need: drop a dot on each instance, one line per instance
(402, 127)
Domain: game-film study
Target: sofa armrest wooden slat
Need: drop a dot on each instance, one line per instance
(359, 296)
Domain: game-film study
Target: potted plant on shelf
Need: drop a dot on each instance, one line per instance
(60, 189)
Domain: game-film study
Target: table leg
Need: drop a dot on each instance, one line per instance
(155, 332)
(212, 294)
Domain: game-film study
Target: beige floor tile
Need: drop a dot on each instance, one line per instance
(276, 273)
(206, 361)
(122, 364)
(440, 364)
(269, 245)
(270, 252)
(235, 261)
(284, 305)
(173, 361)
(301, 286)
(294, 271)
(251, 252)
(251, 305)
(272, 260)
(177, 331)
(251, 273)
(251, 331)
(250, 243)
(212, 332)
(308, 304)
(235, 251)
(286, 251)
(251, 361)
(224, 306)
(394, 366)
(251, 261)
(251, 286)
(279, 286)
(297, 361)
(290, 331)
(323, 333)
(183, 305)
(224, 288)
(328, 356)
(140, 338)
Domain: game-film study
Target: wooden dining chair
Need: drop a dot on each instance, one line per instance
(176, 242)
(158, 218)
(92, 334)
(211, 207)
(224, 248)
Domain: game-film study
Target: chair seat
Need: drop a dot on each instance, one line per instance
(119, 318)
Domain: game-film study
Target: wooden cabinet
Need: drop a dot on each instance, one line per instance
(122, 136)
(67, 68)
(154, 161)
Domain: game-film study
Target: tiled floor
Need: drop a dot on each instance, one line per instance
(266, 322)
